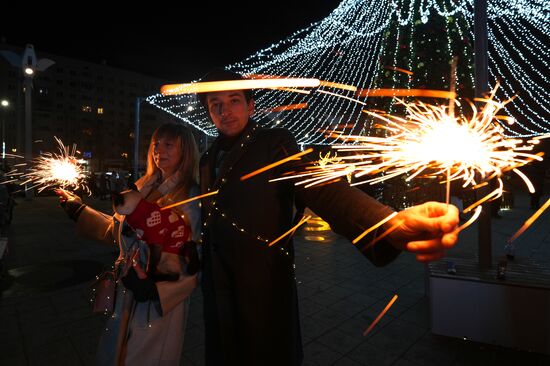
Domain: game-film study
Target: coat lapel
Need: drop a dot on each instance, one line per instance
(209, 182)
(206, 180)
(236, 152)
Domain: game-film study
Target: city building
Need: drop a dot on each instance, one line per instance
(83, 103)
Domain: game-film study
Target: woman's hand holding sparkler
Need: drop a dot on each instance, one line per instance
(426, 230)
(71, 203)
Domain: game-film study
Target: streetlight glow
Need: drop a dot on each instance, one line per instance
(29, 71)
(5, 103)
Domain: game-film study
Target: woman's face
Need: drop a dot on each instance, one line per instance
(166, 154)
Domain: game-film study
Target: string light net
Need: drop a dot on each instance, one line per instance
(398, 44)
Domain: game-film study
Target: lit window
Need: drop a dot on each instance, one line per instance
(100, 110)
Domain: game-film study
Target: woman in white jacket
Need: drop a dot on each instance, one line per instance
(148, 323)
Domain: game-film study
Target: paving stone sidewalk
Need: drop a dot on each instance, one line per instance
(45, 317)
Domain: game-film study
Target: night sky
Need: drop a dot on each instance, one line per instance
(179, 43)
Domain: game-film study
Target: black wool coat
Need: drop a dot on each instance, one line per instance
(250, 299)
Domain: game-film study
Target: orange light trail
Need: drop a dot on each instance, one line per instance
(528, 183)
(225, 85)
(388, 306)
(189, 200)
(294, 90)
(341, 96)
(330, 84)
(291, 230)
(471, 219)
(530, 221)
(375, 226)
(428, 93)
(494, 194)
(410, 73)
(277, 163)
(390, 230)
(482, 184)
(288, 107)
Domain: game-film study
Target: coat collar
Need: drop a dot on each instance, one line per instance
(236, 152)
(233, 155)
(210, 183)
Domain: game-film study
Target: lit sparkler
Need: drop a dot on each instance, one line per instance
(429, 142)
(57, 170)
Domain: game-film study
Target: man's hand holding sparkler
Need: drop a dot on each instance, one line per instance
(71, 203)
(426, 230)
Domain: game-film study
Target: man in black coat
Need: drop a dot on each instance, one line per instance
(250, 299)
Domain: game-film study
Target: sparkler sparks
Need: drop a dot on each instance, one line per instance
(57, 170)
(430, 142)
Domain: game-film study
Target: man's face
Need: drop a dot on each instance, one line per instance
(229, 111)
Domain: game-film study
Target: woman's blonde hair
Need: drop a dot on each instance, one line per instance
(188, 166)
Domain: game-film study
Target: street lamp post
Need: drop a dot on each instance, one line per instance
(481, 87)
(5, 104)
(136, 137)
(27, 89)
(29, 65)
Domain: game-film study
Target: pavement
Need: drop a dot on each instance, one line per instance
(46, 319)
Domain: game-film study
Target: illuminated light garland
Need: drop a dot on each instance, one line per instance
(346, 48)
